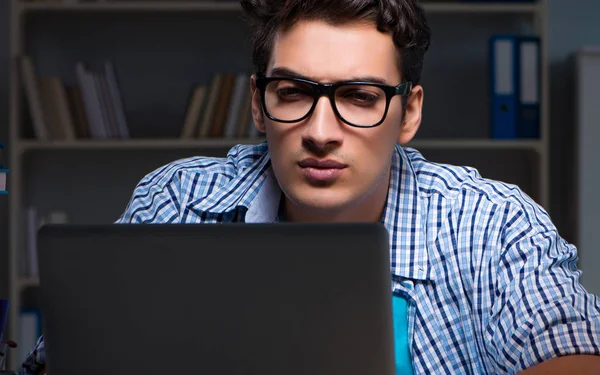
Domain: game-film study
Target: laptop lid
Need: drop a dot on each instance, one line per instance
(252, 299)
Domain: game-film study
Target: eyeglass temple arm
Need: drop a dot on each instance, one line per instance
(404, 88)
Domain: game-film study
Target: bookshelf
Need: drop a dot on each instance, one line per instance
(156, 65)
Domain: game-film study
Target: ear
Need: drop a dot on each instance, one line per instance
(257, 112)
(412, 116)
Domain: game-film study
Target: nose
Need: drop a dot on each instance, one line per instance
(323, 128)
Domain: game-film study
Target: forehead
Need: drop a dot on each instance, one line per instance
(328, 53)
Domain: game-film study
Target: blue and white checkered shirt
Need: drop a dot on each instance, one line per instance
(492, 287)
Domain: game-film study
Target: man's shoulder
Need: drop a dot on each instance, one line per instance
(163, 195)
(195, 168)
(453, 182)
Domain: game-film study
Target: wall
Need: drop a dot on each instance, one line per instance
(572, 25)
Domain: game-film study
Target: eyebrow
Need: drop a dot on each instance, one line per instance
(286, 72)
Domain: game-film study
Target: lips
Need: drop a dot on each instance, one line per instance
(321, 171)
(321, 164)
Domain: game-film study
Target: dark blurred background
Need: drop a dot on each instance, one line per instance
(162, 52)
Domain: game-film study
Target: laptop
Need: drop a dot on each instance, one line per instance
(251, 299)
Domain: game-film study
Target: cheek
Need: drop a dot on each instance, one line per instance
(282, 141)
(379, 142)
(373, 153)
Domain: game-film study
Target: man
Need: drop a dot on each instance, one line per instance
(489, 285)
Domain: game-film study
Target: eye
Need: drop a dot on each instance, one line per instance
(361, 97)
(288, 93)
(291, 91)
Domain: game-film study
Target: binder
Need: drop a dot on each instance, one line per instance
(3, 184)
(504, 89)
(528, 119)
(3, 173)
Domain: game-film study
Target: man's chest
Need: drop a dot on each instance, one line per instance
(445, 329)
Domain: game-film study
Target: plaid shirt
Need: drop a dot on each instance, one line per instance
(490, 284)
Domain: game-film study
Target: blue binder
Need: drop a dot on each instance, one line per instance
(504, 86)
(528, 119)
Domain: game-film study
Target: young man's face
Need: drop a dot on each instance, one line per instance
(359, 158)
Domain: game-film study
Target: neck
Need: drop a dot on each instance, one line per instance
(368, 209)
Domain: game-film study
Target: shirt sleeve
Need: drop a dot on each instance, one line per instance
(35, 362)
(155, 199)
(539, 309)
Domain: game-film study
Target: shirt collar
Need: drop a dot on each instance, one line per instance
(241, 193)
(256, 193)
(404, 219)
(264, 208)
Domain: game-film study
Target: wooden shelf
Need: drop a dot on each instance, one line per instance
(472, 7)
(135, 144)
(177, 144)
(233, 6)
(174, 6)
(28, 282)
(491, 144)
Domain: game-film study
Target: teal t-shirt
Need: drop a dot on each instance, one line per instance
(401, 343)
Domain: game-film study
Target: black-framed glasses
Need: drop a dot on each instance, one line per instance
(359, 104)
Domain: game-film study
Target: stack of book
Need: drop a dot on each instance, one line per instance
(90, 109)
(220, 109)
(93, 107)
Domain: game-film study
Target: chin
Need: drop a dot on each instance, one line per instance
(329, 200)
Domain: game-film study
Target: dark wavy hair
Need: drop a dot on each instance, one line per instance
(403, 19)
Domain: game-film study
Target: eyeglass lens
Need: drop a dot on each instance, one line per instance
(362, 105)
